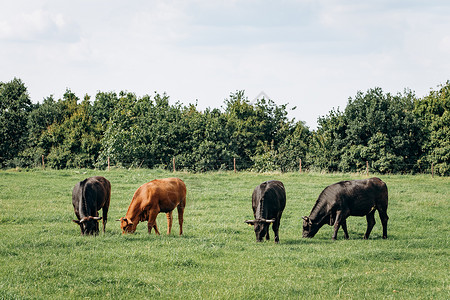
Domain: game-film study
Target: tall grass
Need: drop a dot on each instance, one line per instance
(42, 254)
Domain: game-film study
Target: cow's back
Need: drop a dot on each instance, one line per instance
(361, 196)
(273, 194)
(97, 192)
(165, 194)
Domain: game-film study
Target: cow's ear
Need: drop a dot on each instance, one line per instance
(126, 220)
(307, 219)
(76, 221)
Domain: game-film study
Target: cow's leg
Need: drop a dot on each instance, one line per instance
(384, 220)
(180, 209)
(370, 223)
(267, 234)
(275, 227)
(105, 217)
(336, 228)
(152, 221)
(344, 228)
(169, 222)
(337, 223)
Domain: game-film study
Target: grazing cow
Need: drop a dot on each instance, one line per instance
(348, 198)
(268, 202)
(88, 197)
(159, 195)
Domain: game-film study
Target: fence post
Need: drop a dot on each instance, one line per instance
(432, 170)
(43, 163)
(367, 168)
(173, 162)
(108, 163)
(300, 166)
(234, 164)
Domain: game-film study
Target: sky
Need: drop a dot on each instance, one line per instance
(310, 55)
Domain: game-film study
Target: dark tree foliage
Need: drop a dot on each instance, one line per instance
(74, 141)
(206, 144)
(375, 127)
(434, 111)
(143, 132)
(41, 118)
(253, 126)
(327, 143)
(393, 133)
(15, 106)
(383, 130)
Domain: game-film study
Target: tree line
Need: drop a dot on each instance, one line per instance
(392, 133)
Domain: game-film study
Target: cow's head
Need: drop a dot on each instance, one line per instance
(88, 225)
(261, 227)
(309, 228)
(126, 225)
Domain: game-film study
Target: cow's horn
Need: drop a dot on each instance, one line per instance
(270, 221)
(305, 218)
(97, 218)
(250, 221)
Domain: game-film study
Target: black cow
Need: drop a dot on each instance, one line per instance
(348, 198)
(88, 197)
(268, 202)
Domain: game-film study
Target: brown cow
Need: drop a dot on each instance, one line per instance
(159, 195)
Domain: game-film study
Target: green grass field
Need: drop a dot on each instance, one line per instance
(43, 256)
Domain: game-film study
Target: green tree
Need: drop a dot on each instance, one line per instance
(142, 131)
(382, 130)
(294, 147)
(434, 111)
(375, 127)
(328, 141)
(253, 125)
(103, 107)
(204, 145)
(64, 132)
(39, 121)
(120, 140)
(15, 106)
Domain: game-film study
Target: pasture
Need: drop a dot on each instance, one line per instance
(43, 255)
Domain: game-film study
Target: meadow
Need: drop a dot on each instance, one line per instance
(43, 255)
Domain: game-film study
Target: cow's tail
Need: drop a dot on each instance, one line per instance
(381, 203)
(82, 205)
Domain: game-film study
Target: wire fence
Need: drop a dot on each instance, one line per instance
(239, 165)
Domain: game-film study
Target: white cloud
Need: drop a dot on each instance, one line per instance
(36, 26)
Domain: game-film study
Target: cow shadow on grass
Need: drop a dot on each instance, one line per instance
(326, 238)
(305, 241)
